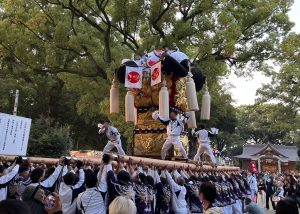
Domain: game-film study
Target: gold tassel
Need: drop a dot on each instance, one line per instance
(114, 98)
(205, 105)
(164, 101)
(129, 107)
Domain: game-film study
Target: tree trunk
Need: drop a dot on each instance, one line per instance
(107, 52)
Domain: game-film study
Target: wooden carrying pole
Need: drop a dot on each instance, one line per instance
(145, 161)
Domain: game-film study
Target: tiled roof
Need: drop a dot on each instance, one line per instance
(287, 153)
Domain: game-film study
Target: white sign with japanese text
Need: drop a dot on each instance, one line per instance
(14, 134)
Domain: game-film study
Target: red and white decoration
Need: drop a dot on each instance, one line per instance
(153, 57)
(253, 166)
(156, 73)
(134, 76)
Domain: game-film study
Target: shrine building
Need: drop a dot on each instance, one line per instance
(268, 157)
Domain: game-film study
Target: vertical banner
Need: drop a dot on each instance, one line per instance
(14, 134)
(253, 166)
(156, 73)
(134, 77)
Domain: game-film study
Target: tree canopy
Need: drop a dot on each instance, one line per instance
(61, 53)
(285, 84)
(267, 123)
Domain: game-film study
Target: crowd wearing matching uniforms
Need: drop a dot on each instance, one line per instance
(87, 188)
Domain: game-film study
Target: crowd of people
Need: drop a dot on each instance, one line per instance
(73, 186)
(273, 187)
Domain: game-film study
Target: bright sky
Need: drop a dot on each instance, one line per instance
(244, 89)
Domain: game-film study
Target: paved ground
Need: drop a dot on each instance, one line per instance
(262, 202)
(269, 211)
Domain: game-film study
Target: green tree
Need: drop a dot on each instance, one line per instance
(50, 140)
(284, 87)
(285, 84)
(267, 123)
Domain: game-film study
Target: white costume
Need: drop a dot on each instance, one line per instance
(179, 204)
(6, 179)
(174, 129)
(67, 193)
(153, 57)
(114, 139)
(204, 143)
(253, 185)
(237, 207)
(179, 56)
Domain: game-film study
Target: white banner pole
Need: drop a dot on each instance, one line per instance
(16, 103)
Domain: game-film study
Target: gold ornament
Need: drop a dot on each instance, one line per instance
(180, 96)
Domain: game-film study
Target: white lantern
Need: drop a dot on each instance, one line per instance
(164, 101)
(114, 98)
(205, 105)
(129, 107)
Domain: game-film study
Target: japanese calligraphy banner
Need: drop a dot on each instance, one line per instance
(14, 134)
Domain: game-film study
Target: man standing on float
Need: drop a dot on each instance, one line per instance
(114, 138)
(204, 142)
(174, 128)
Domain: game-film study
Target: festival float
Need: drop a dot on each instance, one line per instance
(159, 80)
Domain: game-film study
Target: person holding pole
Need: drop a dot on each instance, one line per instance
(6, 178)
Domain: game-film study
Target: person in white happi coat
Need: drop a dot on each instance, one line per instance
(251, 179)
(179, 204)
(139, 59)
(7, 177)
(114, 138)
(104, 168)
(204, 142)
(174, 128)
(69, 189)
